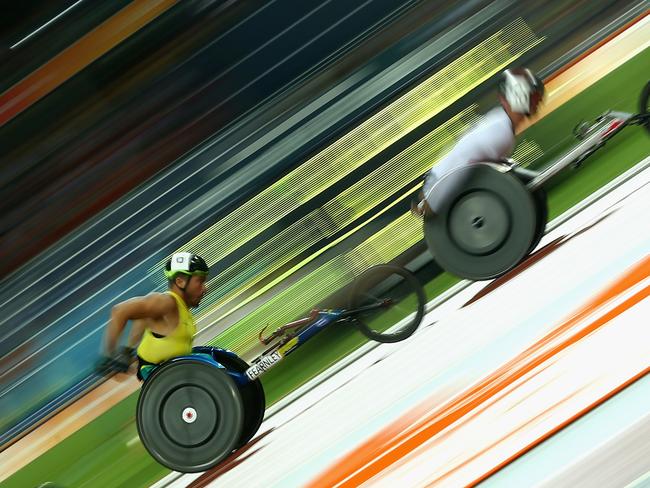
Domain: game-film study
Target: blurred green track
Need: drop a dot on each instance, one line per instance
(107, 451)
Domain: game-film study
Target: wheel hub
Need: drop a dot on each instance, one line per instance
(189, 415)
(479, 223)
(182, 422)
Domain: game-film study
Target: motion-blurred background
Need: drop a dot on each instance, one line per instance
(281, 139)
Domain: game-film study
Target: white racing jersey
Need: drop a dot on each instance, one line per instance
(491, 139)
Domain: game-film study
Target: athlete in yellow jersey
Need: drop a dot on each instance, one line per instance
(163, 325)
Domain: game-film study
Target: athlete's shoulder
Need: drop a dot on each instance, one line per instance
(161, 301)
(496, 117)
(494, 124)
(166, 295)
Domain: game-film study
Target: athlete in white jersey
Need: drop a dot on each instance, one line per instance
(492, 139)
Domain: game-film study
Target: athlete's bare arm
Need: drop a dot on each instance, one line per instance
(155, 306)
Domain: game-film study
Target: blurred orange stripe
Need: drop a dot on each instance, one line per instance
(395, 441)
(79, 55)
(496, 442)
(561, 426)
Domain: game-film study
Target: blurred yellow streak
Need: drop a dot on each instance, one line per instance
(362, 143)
(336, 214)
(391, 241)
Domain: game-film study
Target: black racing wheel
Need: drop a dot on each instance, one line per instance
(541, 211)
(392, 302)
(252, 393)
(541, 206)
(486, 226)
(189, 415)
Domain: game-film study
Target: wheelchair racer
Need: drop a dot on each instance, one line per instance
(162, 325)
(492, 139)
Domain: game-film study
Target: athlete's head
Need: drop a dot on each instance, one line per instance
(187, 272)
(521, 90)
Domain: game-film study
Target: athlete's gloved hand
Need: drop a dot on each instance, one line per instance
(421, 209)
(417, 208)
(118, 361)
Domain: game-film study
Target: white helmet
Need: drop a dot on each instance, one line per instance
(519, 87)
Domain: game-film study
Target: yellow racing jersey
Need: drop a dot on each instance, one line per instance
(156, 349)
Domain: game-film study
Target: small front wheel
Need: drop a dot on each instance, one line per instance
(391, 300)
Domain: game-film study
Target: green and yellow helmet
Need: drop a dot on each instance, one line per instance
(185, 263)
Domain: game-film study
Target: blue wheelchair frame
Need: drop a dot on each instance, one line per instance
(210, 355)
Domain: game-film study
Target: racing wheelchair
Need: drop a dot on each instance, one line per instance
(194, 410)
(497, 214)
